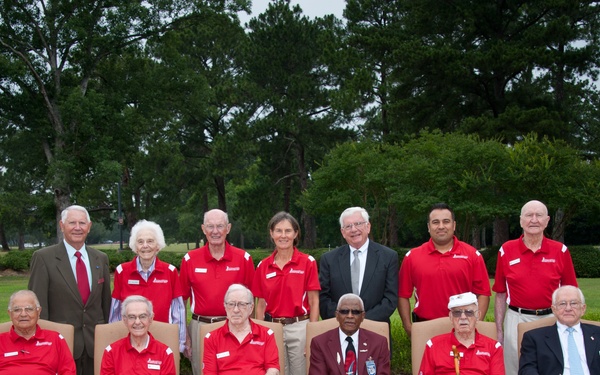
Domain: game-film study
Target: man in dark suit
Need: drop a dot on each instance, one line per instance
(54, 280)
(377, 270)
(349, 349)
(567, 345)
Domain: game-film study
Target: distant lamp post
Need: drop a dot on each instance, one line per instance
(120, 217)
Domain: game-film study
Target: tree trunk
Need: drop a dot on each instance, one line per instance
(310, 233)
(62, 200)
(476, 238)
(3, 239)
(393, 233)
(220, 185)
(501, 233)
(558, 228)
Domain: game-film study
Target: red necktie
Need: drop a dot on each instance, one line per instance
(82, 278)
(350, 363)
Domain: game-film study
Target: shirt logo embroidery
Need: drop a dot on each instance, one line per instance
(460, 257)
(301, 272)
(160, 281)
(544, 260)
(43, 343)
(154, 361)
(479, 352)
(252, 342)
(232, 268)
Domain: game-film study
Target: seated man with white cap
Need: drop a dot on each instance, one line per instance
(464, 350)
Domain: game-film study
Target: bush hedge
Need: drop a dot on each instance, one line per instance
(586, 258)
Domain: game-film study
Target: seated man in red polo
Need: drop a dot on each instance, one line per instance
(240, 346)
(27, 348)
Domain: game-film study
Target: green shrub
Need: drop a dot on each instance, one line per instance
(17, 260)
(586, 260)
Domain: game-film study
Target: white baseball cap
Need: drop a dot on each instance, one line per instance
(462, 299)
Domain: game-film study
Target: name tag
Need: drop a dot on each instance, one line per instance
(272, 274)
(153, 367)
(200, 270)
(133, 282)
(11, 354)
(223, 355)
(514, 261)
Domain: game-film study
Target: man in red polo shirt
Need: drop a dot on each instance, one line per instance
(207, 272)
(27, 348)
(528, 271)
(438, 269)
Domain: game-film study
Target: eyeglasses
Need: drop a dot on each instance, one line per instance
(358, 225)
(28, 310)
(240, 305)
(211, 227)
(563, 305)
(458, 313)
(348, 311)
(133, 318)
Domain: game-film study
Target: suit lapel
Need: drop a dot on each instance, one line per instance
(63, 264)
(591, 343)
(344, 266)
(370, 267)
(335, 350)
(363, 351)
(553, 342)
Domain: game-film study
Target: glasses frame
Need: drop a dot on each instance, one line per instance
(575, 305)
(459, 313)
(239, 304)
(29, 310)
(348, 311)
(357, 225)
(132, 318)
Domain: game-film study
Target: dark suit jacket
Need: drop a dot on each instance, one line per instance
(326, 353)
(54, 283)
(379, 290)
(541, 352)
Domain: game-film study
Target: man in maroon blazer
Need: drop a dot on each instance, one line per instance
(349, 350)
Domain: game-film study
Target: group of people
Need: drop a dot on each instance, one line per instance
(356, 281)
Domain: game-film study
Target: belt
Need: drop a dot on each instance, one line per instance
(416, 318)
(208, 319)
(286, 321)
(531, 312)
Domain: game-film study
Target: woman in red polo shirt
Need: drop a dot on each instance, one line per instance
(287, 287)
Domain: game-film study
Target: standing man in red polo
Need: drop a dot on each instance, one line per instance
(205, 275)
(438, 269)
(528, 271)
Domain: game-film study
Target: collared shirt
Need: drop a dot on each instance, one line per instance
(73, 260)
(122, 358)
(200, 269)
(160, 285)
(46, 352)
(224, 354)
(344, 343)
(362, 256)
(563, 334)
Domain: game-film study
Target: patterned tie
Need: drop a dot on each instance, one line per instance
(82, 278)
(350, 363)
(355, 273)
(574, 360)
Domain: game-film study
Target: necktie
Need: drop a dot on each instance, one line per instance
(82, 278)
(355, 273)
(574, 360)
(350, 363)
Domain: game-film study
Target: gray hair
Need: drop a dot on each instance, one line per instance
(352, 297)
(144, 224)
(25, 292)
(238, 287)
(565, 288)
(351, 211)
(136, 298)
(63, 214)
(214, 211)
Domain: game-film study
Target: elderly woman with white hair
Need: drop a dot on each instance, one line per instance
(148, 276)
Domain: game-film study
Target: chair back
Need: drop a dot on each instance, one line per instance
(316, 328)
(423, 331)
(106, 334)
(528, 326)
(277, 329)
(66, 330)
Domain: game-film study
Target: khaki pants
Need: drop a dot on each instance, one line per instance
(294, 339)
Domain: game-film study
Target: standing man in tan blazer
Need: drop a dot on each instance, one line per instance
(54, 280)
